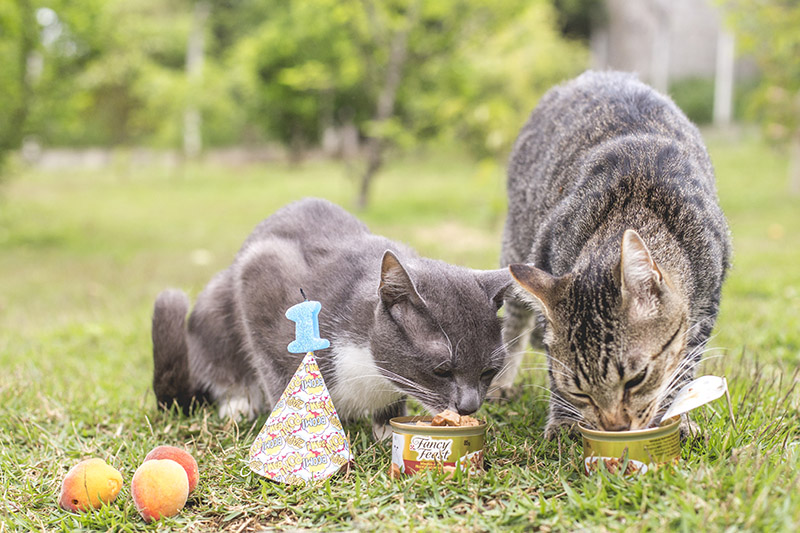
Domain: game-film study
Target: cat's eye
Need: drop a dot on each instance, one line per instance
(631, 383)
(582, 396)
(444, 370)
(489, 373)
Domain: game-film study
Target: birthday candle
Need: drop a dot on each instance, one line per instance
(306, 331)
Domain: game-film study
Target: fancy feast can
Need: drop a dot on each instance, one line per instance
(634, 450)
(418, 446)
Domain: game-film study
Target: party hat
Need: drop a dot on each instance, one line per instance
(302, 440)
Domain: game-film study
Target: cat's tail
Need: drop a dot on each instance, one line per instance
(171, 378)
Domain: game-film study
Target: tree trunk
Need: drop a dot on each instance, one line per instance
(192, 119)
(376, 144)
(659, 53)
(723, 79)
(13, 130)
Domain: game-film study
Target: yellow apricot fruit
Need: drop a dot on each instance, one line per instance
(180, 456)
(89, 484)
(159, 488)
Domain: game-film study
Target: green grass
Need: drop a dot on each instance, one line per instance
(83, 255)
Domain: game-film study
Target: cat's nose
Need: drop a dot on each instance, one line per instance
(615, 423)
(467, 402)
(617, 426)
(616, 420)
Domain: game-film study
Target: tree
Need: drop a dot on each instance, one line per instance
(402, 71)
(768, 29)
(17, 42)
(465, 71)
(395, 72)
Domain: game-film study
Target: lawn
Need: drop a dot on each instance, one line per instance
(83, 255)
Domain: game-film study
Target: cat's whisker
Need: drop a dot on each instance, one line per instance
(558, 400)
(676, 380)
(567, 416)
(687, 365)
(454, 355)
(408, 387)
(449, 342)
(691, 330)
(693, 358)
(508, 365)
(715, 351)
(387, 374)
(523, 334)
(501, 350)
(564, 405)
(547, 368)
(564, 365)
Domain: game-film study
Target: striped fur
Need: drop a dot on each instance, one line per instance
(615, 235)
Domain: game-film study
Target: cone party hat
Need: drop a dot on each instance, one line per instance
(302, 441)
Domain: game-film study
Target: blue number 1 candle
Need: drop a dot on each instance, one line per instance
(306, 331)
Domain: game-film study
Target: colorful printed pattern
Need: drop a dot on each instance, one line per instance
(302, 440)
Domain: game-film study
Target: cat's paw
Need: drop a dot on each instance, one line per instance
(381, 431)
(237, 408)
(554, 429)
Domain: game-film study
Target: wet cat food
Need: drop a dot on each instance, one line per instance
(443, 443)
(449, 418)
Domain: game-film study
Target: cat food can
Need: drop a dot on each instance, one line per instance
(642, 448)
(419, 447)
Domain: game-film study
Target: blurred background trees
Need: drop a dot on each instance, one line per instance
(17, 42)
(353, 78)
(770, 31)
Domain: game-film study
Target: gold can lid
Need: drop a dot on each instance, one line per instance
(667, 427)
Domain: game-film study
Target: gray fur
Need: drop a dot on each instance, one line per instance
(399, 325)
(600, 155)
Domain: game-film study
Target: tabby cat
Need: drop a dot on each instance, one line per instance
(615, 234)
(399, 325)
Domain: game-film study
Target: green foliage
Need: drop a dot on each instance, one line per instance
(298, 68)
(576, 18)
(501, 77)
(767, 29)
(695, 96)
(17, 42)
(114, 72)
(85, 253)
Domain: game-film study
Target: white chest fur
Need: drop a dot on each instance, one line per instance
(359, 388)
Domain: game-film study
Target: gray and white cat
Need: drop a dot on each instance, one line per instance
(615, 234)
(399, 325)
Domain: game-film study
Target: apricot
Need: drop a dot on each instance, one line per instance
(159, 488)
(180, 456)
(89, 484)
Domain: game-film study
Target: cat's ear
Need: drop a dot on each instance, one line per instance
(543, 286)
(640, 278)
(396, 284)
(495, 283)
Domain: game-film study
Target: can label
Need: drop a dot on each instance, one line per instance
(414, 453)
(656, 450)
